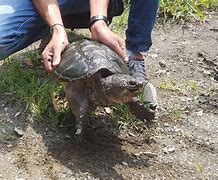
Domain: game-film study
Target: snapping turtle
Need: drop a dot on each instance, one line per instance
(94, 75)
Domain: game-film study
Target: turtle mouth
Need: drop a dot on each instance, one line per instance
(134, 85)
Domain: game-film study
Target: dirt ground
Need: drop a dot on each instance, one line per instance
(183, 144)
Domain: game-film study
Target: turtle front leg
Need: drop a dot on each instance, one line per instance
(77, 98)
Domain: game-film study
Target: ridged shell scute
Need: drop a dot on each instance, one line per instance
(84, 58)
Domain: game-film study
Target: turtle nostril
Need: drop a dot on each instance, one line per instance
(140, 84)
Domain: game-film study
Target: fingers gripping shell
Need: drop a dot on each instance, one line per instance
(84, 58)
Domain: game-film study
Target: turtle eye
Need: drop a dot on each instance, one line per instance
(132, 83)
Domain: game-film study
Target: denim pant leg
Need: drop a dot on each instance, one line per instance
(140, 24)
(21, 25)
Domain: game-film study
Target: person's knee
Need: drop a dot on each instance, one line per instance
(6, 46)
(3, 54)
(4, 51)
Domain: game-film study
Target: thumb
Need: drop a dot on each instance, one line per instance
(57, 57)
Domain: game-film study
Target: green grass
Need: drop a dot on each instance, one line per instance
(172, 10)
(28, 85)
(182, 88)
(120, 23)
(199, 169)
(125, 118)
(187, 10)
(35, 89)
(182, 9)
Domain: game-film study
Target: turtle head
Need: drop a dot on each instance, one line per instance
(120, 88)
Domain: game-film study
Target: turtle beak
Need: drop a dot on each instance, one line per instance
(134, 85)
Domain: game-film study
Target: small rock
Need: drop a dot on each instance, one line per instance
(185, 99)
(178, 130)
(206, 72)
(67, 137)
(153, 139)
(108, 110)
(19, 131)
(17, 114)
(170, 149)
(70, 163)
(153, 56)
(161, 130)
(184, 43)
(207, 143)
(166, 125)
(125, 163)
(78, 131)
(161, 72)
(7, 114)
(199, 113)
(165, 150)
(9, 145)
(150, 154)
(131, 134)
(5, 109)
(162, 64)
(3, 130)
(138, 154)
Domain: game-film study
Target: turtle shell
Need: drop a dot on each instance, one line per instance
(84, 58)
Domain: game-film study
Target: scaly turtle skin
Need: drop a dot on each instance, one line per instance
(94, 75)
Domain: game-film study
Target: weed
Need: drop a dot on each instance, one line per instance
(124, 117)
(199, 169)
(33, 89)
(182, 9)
(120, 23)
(186, 9)
(175, 10)
(175, 113)
(183, 88)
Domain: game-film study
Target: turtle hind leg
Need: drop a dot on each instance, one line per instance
(82, 125)
(77, 98)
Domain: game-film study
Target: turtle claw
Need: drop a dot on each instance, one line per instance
(143, 111)
(80, 129)
(78, 132)
(79, 136)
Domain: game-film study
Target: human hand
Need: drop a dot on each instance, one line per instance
(102, 33)
(52, 53)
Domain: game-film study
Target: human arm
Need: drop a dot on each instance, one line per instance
(102, 33)
(50, 12)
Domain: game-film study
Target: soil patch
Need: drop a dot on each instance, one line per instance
(183, 144)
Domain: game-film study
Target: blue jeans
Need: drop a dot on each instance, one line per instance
(141, 21)
(21, 25)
